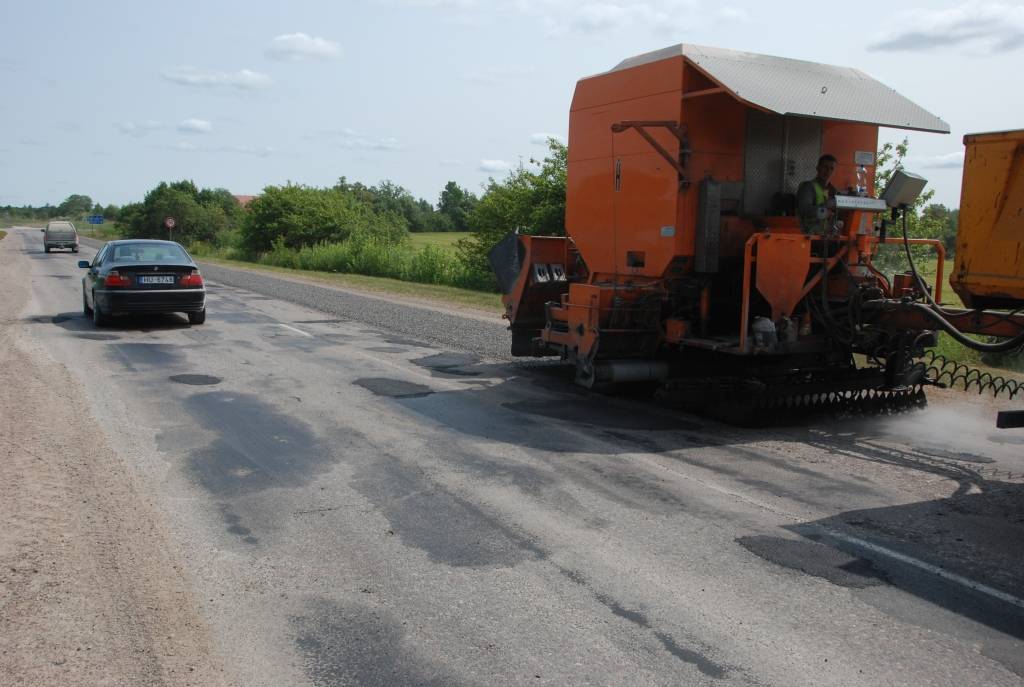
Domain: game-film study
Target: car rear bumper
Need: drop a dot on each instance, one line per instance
(60, 244)
(151, 300)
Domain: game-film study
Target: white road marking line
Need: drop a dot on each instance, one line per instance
(299, 331)
(928, 567)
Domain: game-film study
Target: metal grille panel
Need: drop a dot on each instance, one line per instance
(781, 152)
(803, 148)
(762, 166)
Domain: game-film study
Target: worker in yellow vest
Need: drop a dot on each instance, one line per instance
(813, 195)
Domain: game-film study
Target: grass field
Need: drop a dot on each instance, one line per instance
(2, 233)
(107, 231)
(952, 350)
(438, 239)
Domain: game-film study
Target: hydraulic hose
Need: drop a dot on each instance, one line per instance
(913, 268)
(935, 311)
(944, 324)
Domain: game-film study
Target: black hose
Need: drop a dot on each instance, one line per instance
(913, 270)
(936, 312)
(1001, 347)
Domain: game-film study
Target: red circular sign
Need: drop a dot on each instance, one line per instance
(169, 222)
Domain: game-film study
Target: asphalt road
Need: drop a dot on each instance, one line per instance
(371, 493)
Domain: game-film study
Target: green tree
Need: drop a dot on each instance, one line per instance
(199, 215)
(456, 203)
(530, 202)
(388, 196)
(924, 219)
(74, 206)
(296, 216)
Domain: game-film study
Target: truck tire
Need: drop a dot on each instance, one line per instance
(197, 317)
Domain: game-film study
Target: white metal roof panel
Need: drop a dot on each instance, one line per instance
(801, 88)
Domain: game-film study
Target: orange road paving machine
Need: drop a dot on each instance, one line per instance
(685, 262)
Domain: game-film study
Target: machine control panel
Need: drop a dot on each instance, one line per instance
(860, 203)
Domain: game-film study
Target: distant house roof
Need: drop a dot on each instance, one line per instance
(244, 200)
(797, 87)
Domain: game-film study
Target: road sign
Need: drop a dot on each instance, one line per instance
(94, 219)
(169, 222)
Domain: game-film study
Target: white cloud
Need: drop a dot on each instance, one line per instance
(189, 147)
(736, 14)
(600, 16)
(560, 17)
(299, 46)
(986, 27)
(466, 13)
(195, 126)
(494, 166)
(947, 161)
(139, 129)
(495, 76)
(258, 151)
(444, 4)
(541, 139)
(351, 139)
(244, 79)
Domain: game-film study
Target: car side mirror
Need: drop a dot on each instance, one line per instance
(84, 264)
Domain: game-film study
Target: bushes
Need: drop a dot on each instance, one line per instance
(375, 256)
(531, 201)
(298, 216)
(201, 215)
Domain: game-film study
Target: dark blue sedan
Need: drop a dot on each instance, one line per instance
(142, 276)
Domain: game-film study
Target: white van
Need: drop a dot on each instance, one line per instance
(60, 234)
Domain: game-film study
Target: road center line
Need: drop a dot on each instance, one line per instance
(299, 331)
(928, 567)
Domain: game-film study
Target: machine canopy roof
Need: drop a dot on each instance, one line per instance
(800, 88)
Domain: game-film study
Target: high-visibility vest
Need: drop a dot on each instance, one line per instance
(820, 193)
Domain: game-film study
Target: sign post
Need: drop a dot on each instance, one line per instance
(169, 223)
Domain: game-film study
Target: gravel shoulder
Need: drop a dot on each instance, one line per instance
(90, 591)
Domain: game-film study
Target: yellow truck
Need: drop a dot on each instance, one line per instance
(989, 268)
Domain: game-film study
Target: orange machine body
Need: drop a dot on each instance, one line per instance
(626, 208)
(989, 270)
(684, 242)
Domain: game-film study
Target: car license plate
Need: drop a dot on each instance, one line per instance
(156, 279)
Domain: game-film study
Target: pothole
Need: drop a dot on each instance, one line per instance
(196, 380)
(98, 337)
(393, 388)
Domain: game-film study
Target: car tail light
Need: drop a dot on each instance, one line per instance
(114, 278)
(193, 278)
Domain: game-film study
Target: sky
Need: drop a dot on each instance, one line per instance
(108, 99)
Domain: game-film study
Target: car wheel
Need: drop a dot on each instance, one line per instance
(197, 317)
(85, 305)
(46, 249)
(99, 318)
(74, 250)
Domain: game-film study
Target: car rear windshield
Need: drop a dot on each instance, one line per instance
(149, 252)
(61, 228)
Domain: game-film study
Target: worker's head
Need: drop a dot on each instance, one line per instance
(826, 167)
